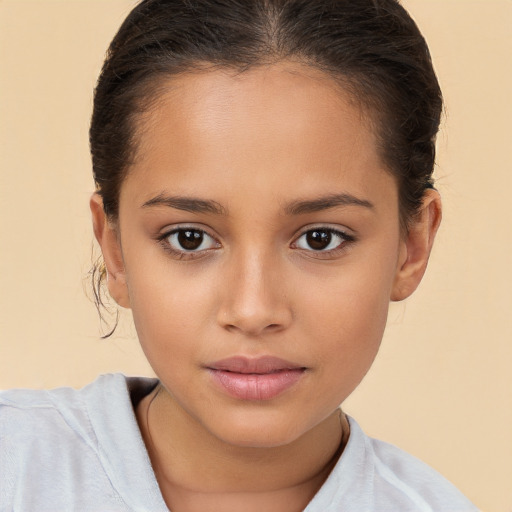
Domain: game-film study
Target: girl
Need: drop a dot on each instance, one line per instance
(264, 190)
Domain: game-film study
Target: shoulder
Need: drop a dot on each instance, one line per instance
(82, 415)
(50, 411)
(399, 477)
(51, 436)
(50, 425)
(404, 476)
(25, 412)
(375, 476)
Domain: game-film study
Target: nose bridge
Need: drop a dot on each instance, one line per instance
(254, 298)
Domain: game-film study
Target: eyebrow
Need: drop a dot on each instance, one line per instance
(324, 203)
(188, 204)
(196, 205)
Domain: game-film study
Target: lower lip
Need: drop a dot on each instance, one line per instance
(252, 386)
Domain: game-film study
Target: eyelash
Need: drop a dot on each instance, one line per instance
(345, 241)
(184, 254)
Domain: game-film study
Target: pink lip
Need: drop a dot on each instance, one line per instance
(263, 378)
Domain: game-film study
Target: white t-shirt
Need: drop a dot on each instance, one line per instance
(81, 450)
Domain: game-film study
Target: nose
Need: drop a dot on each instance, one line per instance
(254, 300)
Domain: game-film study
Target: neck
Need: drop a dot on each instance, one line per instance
(188, 459)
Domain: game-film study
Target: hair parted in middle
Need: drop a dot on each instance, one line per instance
(371, 48)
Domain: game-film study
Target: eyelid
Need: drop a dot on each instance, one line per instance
(173, 228)
(336, 228)
(346, 235)
(166, 233)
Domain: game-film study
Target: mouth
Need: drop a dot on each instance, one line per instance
(262, 378)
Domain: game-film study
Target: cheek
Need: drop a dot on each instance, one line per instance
(167, 328)
(350, 345)
(352, 325)
(348, 316)
(169, 303)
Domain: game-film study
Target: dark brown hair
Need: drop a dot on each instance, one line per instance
(371, 47)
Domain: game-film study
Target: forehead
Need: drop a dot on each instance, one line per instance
(284, 123)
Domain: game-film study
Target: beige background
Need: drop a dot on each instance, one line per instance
(442, 385)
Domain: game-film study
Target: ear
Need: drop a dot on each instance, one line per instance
(416, 246)
(107, 236)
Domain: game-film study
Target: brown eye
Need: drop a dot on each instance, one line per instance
(190, 240)
(322, 240)
(318, 240)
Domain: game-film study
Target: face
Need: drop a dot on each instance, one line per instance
(258, 246)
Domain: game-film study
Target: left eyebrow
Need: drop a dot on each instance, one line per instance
(324, 203)
(188, 204)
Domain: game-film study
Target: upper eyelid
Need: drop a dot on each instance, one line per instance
(167, 231)
(167, 234)
(340, 230)
(347, 239)
(330, 230)
(163, 239)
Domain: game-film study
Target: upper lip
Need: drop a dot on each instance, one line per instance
(259, 365)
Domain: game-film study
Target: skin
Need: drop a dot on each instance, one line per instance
(257, 144)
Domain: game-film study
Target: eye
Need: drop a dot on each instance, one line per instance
(190, 240)
(322, 240)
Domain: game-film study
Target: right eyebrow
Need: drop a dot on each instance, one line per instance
(326, 202)
(188, 204)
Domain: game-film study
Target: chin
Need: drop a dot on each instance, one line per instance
(259, 440)
(250, 431)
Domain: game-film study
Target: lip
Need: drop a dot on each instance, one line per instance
(261, 378)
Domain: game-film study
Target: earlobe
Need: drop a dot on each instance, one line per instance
(416, 247)
(107, 237)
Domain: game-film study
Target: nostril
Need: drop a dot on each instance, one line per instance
(253, 330)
